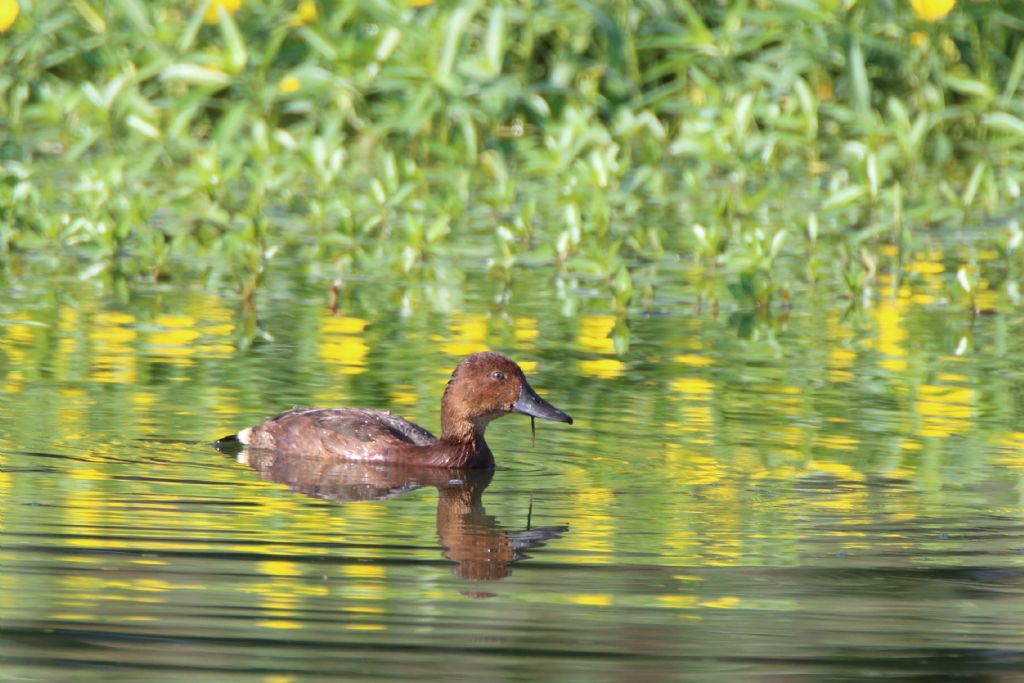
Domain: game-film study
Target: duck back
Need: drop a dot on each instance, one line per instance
(355, 432)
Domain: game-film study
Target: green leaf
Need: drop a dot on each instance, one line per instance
(1016, 73)
(844, 197)
(871, 170)
(494, 43)
(968, 86)
(453, 37)
(188, 36)
(387, 44)
(808, 105)
(318, 43)
(776, 245)
(622, 285)
(95, 21)
(469, 135)
(698, 28)
(1004, 123)
(620, 337)
(193, 74)
(137, 13)
(439, 229)
(972, 185)
(859, 79)
(742, 117)
(143, 127)
(233, 42)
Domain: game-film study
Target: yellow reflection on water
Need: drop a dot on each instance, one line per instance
(892, 334)
(173, 340)
(278, 568)
(113, 353)
(840, 470)
(280, 624)
(724, 602)
(364, 571)
(282, 596)
(404, 395)
(342, 348)
(927, 263)
(838, 442)
(72, 409)
(605, 368)
(594, 334)
(674, 601)
(839, 361)
(945, 410)
(985, 298)
(595, 525)
(467, 333)
(693, 388)
(929, 286)
(18, 338)
(20, 331)
(692, 468)
(696, 417)
(595, 337)
(217, 324)
(694, 360)
(591, 599)
(840, 357)
(525, 329)
(5, 487)
(1011, 450)
(341, 324)
(225, 401)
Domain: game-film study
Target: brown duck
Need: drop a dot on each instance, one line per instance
(483, 387)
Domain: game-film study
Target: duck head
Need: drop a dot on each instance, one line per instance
(484, 387)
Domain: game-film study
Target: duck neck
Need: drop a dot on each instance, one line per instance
(464, 439)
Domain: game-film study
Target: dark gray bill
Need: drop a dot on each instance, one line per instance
(529, 403)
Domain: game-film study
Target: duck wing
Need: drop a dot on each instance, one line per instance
(354, 432)
(370, 425)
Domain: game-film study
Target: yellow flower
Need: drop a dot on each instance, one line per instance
(305, 14)
(420, 3)
(8, 13)
(289, 84)
(932, 10)
(211, 16)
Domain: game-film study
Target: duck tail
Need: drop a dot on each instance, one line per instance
(233, 442)
(228, 442)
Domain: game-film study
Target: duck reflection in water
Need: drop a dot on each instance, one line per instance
(473, 539)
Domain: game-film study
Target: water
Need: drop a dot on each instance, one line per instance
(821, 493)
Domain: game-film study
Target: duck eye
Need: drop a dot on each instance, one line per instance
(498, 375)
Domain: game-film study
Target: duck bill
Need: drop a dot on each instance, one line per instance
(529, 403)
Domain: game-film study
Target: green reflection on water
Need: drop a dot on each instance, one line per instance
(767, 477)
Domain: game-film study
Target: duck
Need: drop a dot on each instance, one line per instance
(483, 387)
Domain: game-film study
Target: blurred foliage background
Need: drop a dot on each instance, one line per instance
(779, 143)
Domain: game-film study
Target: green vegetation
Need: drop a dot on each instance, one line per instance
(774, 143)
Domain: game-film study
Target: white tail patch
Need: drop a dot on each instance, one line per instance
(244, 435)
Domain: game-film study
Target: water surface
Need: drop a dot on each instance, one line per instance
(825, 492)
